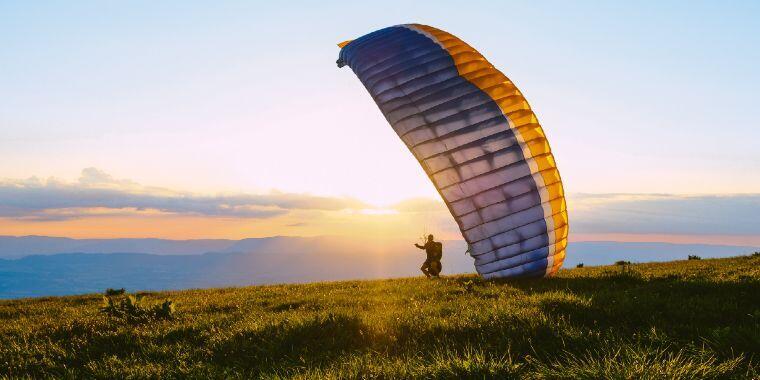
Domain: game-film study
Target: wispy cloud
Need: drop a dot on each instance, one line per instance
(724, 214)
(420, 205)
(730, 214)
(98, 193)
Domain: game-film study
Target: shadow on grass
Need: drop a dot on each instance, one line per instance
(580, 313)
(722, 315)
(289, 344)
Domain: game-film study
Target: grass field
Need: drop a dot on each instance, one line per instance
(686, 319)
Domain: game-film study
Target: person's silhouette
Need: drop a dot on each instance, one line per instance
(434, 250)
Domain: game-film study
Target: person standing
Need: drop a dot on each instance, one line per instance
(434, 250)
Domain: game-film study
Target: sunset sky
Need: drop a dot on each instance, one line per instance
(230, 119)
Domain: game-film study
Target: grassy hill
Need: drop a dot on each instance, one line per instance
(684, 319)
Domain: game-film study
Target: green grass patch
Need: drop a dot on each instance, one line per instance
(690, 319)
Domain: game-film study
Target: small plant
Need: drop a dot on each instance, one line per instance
(165, 310)
(694, 257)
(468, 286)
(115, 292)
(626, 268)
(756, 254)
(131, 308)
(580, 265)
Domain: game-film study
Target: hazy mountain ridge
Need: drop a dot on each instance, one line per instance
(244, 262)
(215, 263)
(14, 247)
(20, 246)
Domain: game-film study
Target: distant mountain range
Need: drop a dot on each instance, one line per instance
(40, 266)
(20, 246)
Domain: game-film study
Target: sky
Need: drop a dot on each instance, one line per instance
(230, 119)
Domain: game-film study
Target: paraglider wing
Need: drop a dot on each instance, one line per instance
(476, 138)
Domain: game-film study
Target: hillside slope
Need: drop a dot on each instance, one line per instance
(683, 319)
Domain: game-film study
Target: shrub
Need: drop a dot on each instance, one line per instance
(165, 310)
(694, 257)
(622, 262)
(580, 265)
(756, 254)
(132, 308)
(115, 292)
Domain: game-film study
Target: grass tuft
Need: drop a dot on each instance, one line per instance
(639, 362)
(133, 308)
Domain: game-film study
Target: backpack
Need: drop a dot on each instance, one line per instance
(437, 250)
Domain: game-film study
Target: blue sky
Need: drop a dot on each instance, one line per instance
(635, 97)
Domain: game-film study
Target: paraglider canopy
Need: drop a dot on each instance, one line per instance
(477, 139)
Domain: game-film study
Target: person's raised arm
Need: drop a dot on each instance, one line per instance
(419, 246)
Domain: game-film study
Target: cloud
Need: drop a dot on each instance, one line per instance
(98, 193)
(97, 177)
(725, 214)
(420, 205)
(730, 214)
